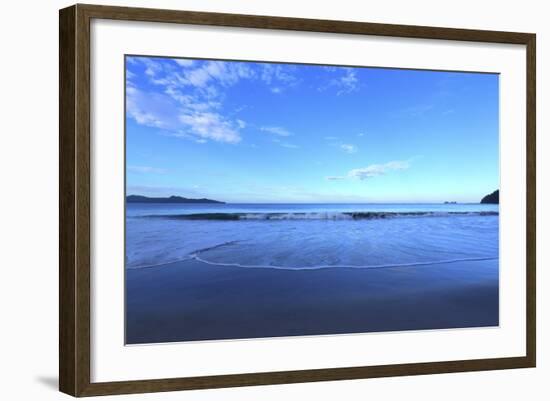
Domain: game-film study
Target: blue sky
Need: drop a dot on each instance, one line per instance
(264, 132)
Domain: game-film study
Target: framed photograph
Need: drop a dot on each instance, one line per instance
(250, 200)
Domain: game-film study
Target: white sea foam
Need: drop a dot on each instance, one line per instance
(396, 265)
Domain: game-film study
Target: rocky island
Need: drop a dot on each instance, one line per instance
(171, 199)
(491, 198)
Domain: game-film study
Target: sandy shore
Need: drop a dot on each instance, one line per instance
(191, 300)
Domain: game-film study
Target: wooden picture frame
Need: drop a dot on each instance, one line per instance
(74, 199)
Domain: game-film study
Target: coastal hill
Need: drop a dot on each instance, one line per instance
(491, 198)
(171, 199)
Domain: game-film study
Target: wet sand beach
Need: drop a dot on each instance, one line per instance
(191, 300)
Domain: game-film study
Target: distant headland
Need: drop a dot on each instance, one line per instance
(171, 199)
(491, 198)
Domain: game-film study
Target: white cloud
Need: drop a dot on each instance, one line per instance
(188, 119)
(184, 62)
(150, 109)
(152, 66)
(375, 170)
(348, 148)
(211, 126)
(278, 77)
(189, 103)
(280, 131)
(285, 144)
(346, 82)
(277, 72)
(146, 170)
(198, 77)
(224, 73)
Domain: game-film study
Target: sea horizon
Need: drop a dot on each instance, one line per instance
(319, 203)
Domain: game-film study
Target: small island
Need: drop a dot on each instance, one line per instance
(171, 199)
(492, 198)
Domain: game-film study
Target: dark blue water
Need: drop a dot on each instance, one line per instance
(310, 236)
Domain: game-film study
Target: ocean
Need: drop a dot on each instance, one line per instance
(309, 236)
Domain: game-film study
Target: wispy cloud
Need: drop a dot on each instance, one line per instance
(188, 102)
(373, 170)
(150, 109)
(225, 73)
(185, 119)
(349, 148)
(285, 144)
(346, 81)
(146, 170)
(280, 131)
(190, 96)
(211, 126)
(152, 66)
(184, 62)
(278, 74)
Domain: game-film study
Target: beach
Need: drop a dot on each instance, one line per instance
(191, 300)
